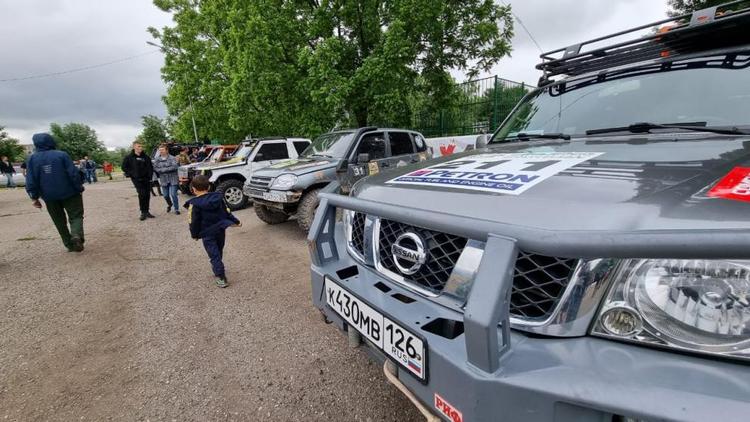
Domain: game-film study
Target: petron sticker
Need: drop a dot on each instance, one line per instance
(447, 410)
(511, 173)
(735, 185)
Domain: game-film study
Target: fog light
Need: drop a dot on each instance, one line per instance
(621, 320)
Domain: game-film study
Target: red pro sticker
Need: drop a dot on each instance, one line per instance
(447, 410)
(735, 185)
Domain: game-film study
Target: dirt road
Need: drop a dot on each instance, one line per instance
(133, 329)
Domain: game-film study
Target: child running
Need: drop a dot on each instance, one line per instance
(209, 219)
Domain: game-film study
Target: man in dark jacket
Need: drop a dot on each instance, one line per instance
(52, 177)
(137, 166)
(209, 219)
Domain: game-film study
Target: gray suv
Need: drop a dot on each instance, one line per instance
(291, 187)
(591, 263)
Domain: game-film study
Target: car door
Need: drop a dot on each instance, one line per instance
(368, 158)
(401, 149)
(268, 153)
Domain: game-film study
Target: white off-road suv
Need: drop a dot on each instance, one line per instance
(229, 176)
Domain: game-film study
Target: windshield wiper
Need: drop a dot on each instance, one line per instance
(527, 136)
(321, 155)
(645, 127)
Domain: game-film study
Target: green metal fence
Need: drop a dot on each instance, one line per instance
(479, 107)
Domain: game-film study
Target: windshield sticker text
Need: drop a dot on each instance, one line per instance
(512, 173)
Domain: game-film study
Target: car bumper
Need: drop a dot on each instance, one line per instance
(536, 378)
(273, 196)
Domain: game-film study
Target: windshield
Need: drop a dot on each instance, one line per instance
(215, 154)
(334, 145)
(710, 96)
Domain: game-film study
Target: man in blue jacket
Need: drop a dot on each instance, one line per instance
(52, 176)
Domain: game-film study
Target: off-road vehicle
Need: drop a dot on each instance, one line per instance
(229, 177)
(591, 263)
(216, 154)
(292, 187)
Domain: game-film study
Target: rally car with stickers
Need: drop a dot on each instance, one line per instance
(291, 187)
(591, 262)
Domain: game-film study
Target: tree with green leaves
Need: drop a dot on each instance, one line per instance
(77, 139)
(154, 132)
(277, 67)
(10, 147)
(683, 7)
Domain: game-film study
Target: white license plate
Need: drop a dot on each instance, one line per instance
(274, 196)
(395, 340)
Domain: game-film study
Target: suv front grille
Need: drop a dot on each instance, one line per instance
(539, 281)
(442, 250)
(358, 233)
(538, 284)
(259, 182)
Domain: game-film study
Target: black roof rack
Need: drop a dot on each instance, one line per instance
(703, 30)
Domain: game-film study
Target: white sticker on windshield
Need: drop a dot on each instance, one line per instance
(502, 173)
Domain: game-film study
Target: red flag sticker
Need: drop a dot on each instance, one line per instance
(735, 185)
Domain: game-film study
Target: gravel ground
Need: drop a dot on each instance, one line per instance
(133, 329)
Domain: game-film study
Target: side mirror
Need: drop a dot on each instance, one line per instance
(258, 157)
(343, 166)
(363, 158)
(482, 141)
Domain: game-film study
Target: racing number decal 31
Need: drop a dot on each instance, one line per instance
(512, 173)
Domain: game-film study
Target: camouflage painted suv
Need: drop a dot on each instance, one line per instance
(291, 187)
(591, 263)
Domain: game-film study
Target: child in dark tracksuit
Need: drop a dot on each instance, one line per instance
(209, 219)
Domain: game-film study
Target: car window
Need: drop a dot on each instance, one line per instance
(300, 146)
(421, 144)
(372, 144)
(275, 151)
(400, 143)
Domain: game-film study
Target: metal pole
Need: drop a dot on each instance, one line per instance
(192, 117)
(190, 97)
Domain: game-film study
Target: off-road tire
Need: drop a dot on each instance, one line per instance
(268, 215)
(306, 209)
(233, 195)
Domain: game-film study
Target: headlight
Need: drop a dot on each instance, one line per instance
(285, 181)
(696, 305)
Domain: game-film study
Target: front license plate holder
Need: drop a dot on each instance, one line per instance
(401, 345)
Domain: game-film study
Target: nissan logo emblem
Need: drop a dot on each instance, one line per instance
(408, 253)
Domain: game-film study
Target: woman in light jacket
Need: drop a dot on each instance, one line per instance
(165, 166)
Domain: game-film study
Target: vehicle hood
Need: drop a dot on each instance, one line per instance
(234, 162)
(654, 183)
(299, 166)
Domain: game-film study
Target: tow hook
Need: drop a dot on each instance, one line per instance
(391, 373)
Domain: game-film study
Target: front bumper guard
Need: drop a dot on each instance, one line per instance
(574, 379)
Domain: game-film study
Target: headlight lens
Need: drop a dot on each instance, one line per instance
(696, 305)
(285, 181)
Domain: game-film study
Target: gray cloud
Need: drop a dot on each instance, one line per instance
(560, 23)
(39, 37)
(42, 36)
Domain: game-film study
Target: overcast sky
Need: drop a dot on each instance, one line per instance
(46, 36)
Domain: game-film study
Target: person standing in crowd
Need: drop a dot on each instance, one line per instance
(89, 168)
(6, 168)
(138, 167)
(165, 165)
(54, 178)
(183, 159)
(107, 168)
